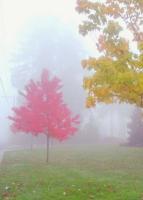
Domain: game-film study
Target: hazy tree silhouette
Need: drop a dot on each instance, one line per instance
(135, 127)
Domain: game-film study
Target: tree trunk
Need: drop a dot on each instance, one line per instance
(48, 142)
(141, 100)
(31, 143)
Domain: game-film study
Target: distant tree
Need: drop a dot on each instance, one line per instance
(135, 128)
(44, 111)
(117, 70)
(48, 42)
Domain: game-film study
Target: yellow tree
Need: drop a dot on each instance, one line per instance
(117, 73)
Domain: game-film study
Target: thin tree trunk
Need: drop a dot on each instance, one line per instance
(141, 100)
(48, 142)
(31, 142)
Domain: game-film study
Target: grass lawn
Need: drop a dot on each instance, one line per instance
(79, 173)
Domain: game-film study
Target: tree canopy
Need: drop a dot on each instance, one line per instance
(117, 72)
(44, 110)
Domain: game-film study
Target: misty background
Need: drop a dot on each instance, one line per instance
(36, 35)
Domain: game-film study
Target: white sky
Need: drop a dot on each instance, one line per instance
(15, 14)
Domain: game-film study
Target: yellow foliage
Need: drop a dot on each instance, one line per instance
(118, 71)
(90, 101)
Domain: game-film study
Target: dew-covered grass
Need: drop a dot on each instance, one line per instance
(73, 173)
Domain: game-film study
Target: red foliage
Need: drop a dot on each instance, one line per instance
(44, 110)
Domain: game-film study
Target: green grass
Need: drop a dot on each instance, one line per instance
(80, 173)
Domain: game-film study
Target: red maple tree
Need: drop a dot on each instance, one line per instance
(44, 111)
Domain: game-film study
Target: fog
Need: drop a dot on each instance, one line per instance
(36, 35)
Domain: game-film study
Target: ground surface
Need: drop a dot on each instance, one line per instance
(80, 173)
